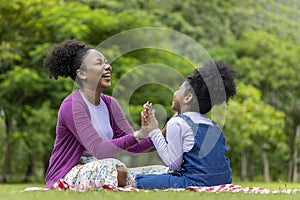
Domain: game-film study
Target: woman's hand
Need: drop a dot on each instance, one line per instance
(143, 133)
(148, 121)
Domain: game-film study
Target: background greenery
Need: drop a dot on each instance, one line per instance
(260, 40)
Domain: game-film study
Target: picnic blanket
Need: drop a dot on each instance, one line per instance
(62, 185)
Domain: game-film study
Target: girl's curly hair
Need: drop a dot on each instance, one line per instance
(65, 58)
(213, 84)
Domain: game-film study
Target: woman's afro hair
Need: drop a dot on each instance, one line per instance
(63, 60)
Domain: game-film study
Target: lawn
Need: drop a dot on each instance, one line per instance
(14, 192)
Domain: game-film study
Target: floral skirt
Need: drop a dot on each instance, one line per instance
(91, 173)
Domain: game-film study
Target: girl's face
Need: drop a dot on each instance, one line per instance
(97, 70)
(178, 97)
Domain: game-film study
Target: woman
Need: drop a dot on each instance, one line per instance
(91, 127)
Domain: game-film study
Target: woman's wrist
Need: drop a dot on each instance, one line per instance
(136, 135)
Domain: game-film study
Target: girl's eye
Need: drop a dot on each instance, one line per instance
(103, 62)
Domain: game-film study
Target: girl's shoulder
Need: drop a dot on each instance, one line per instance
(176, 120)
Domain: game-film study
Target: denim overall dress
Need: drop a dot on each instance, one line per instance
(204, 165)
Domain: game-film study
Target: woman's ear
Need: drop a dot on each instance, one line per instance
(81, 74)
(188, 98)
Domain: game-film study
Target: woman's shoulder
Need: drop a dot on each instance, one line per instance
(106, 97)
(109, 100)
(73, 99)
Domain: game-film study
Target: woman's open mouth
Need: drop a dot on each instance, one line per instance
(106, 76)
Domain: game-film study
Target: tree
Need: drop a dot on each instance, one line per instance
(246, 35)
(28, 30)
(252, 125)
(16, 97)
(270, 64)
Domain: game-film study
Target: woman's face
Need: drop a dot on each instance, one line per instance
(178, 97)
(97, 70)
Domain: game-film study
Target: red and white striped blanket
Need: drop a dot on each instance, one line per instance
(62, 185)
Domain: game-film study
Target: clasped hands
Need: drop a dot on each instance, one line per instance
(148, 121)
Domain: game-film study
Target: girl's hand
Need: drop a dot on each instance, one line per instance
(145, 113)
(164, 130)
(148, 121)
(152, 122)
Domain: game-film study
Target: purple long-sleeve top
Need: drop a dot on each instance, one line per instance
(75, 133)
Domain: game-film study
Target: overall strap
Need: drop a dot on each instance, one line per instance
(189, 121)
(210, 139)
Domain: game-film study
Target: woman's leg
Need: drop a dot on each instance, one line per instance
(122, 175)
(95, 174)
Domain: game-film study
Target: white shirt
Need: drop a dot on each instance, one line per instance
(179, 139)
(100, 119)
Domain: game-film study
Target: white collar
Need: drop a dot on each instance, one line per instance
(198, 118)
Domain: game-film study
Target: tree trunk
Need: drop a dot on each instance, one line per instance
(30, 169)
(7, 154)
(266, 166)
(250, 165)
(295, 156)
(295, 167)
(293, 170)
(243, 164)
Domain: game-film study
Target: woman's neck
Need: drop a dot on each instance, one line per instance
(91, 95)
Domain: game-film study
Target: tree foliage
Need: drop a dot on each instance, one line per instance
(249, 36)
(253, 125)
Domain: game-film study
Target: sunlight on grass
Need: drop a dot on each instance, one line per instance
(15, 192)
(271, 185)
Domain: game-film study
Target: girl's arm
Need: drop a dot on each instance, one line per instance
(170, 149)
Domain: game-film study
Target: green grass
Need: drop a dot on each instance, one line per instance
(14, 192)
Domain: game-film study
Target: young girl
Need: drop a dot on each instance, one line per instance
(194, 147)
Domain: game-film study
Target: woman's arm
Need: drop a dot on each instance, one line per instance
(121, 128)
(77, 119)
